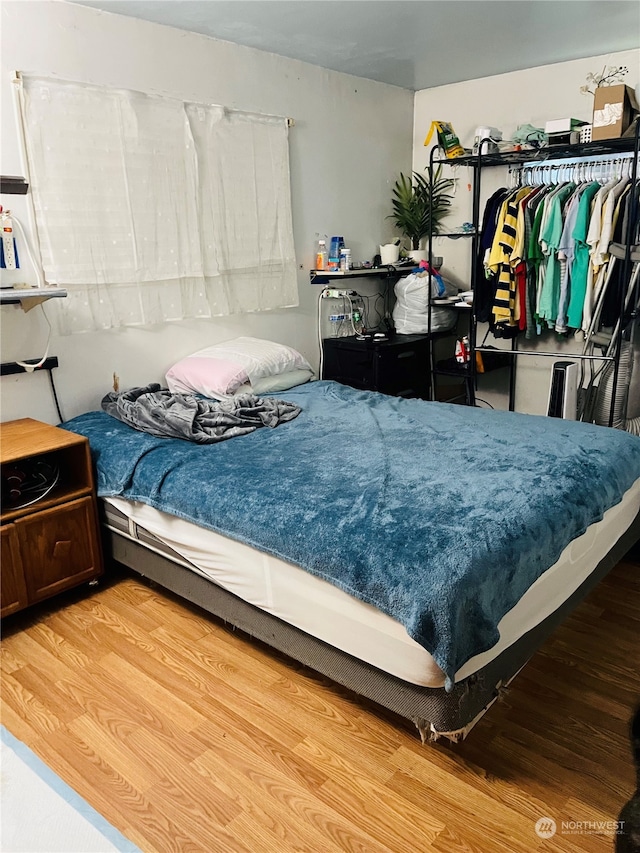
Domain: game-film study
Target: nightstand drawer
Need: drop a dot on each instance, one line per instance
(351, 365)
(58, 548)
(13, 591)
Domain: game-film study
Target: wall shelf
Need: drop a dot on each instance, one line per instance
(29, 295)
(325, 276)
(548, 152)
(13, 185)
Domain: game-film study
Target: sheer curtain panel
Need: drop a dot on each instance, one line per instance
(149, 209)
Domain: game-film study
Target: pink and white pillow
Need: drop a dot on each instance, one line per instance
(242, 365)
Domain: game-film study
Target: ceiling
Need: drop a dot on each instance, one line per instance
(415, 44)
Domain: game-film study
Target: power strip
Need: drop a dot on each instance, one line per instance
(330, 293)
(8, 246)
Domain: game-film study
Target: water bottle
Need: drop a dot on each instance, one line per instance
(322, 256)
(334, 253)
(356, 319)
(334, 320)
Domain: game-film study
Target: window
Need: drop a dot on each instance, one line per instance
(150, 209)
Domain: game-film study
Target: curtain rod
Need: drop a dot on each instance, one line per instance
(17, 79)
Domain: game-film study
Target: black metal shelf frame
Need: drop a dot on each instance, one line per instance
(388, 271)
(480, 161)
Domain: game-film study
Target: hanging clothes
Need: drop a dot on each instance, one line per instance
(532, 203)
(565, 257)
(612, 298)
(518, 258)
(593, 238)
(580, 263)
(505, 309)
(544, 253)
(485, 279)
(550, 234)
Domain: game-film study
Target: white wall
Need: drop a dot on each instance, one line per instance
(351, 139)
(506, 101)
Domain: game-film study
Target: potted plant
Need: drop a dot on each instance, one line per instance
(420, 205)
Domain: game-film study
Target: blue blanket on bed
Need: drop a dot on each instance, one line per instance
(441, 516)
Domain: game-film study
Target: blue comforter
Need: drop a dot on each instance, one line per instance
(441, 516)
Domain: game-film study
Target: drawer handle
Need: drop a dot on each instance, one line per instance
(61, 549)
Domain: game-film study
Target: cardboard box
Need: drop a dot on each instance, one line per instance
(613, 111)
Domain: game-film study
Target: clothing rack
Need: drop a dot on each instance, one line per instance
(599, 161)
(579, 170)
(601, 168)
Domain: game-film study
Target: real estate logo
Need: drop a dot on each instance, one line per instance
(546, 827)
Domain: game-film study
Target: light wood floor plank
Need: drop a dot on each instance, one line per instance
(306, 812)
(262, 814)
(27, 706)
(38, 683)
(189, 737)
(176, 707)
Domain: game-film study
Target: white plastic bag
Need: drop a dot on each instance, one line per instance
(410, 314)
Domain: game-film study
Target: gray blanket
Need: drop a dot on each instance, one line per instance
(157, 411)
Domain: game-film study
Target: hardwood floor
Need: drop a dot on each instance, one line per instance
(188, 736)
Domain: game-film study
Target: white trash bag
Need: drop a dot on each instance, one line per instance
(410, 314)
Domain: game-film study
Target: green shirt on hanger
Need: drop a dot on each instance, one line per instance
(550, 235)
(580, 265)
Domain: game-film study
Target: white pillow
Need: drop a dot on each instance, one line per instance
(223, 369)
(279, 382)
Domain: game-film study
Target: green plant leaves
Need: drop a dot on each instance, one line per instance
(419, 205)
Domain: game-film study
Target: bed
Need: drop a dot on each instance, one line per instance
(418, 553)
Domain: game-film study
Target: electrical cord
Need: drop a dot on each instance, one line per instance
(343, 322)
(55, 396)
(27, 483)
(379, 316)
(365, 311)
(321, 363)
(38, 271)
(30, 366)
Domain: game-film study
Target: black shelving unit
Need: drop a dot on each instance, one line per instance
(478, 162)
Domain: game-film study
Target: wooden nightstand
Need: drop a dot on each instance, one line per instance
(53, 543)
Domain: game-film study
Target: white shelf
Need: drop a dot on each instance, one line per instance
(11, 295)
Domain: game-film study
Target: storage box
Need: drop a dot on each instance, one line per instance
(570, 138)
(563, 125)
(613, 111)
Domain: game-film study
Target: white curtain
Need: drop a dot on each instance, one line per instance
(149, 209)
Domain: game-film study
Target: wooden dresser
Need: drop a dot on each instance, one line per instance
(51, 543)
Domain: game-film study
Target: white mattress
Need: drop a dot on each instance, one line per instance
(331, 615)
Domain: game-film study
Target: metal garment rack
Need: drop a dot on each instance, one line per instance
(581, 156)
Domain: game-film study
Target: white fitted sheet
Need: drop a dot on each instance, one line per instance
(329, 614)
